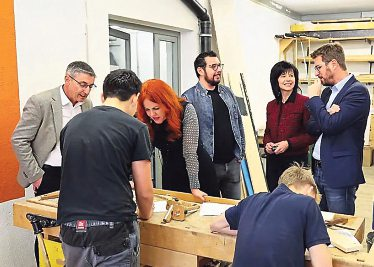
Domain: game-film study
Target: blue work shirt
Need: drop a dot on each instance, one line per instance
(274, 229)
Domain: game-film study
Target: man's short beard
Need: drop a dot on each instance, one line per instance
(212, 82)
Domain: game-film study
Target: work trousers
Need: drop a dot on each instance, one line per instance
(96, 255)
(228, 176)
(277, 164)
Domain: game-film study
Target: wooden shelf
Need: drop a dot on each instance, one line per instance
(329, 40)
(306, 27)
(348, 58)
(364, 78)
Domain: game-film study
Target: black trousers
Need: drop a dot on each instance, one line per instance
(277, 164)
(50, 183)
(51, 180)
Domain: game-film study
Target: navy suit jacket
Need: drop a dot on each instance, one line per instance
(343, 133)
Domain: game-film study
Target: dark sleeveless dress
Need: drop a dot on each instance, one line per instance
(174, 172)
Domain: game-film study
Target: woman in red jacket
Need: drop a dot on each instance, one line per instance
(285, 139)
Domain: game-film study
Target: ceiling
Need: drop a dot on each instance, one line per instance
(316, 7)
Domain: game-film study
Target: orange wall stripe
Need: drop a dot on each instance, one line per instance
(9, 103)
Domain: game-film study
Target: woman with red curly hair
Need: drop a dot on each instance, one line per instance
(174, 130)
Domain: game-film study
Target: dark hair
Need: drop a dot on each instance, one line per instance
(276, 72)
(79, 67)
(121, 84)
(200, 60)
(329, 52)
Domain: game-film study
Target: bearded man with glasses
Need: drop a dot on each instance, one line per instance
(35, 139)
(338, 117)
(220, 122)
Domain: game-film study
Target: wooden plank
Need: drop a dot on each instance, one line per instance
(251, 150)
(284, 46)
(332, 39)
(308, 27)
(155, 256)
(348, 58)
(191, 198)
(364, 78)
(342, 20)
(224, 16)
(343, 242)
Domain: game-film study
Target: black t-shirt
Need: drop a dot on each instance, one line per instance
(224, 141)
(98, 147)
(274, 229)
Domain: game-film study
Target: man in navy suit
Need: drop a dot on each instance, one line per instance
(339, 117)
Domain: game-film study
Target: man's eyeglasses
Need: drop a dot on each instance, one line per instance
(215, 66)
(318, 68)
(83, 84)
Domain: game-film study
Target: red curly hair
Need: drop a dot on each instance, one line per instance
(161, 93)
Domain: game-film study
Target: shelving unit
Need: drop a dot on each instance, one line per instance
(308, 38)
(357, 39)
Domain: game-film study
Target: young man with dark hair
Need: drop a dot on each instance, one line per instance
(220, 123)
(274, 229)
(100, 149)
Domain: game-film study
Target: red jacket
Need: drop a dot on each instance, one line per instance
(288, 122)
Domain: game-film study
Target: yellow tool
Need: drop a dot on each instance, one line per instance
(179, 209)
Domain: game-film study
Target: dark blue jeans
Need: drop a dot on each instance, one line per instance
(337, 200)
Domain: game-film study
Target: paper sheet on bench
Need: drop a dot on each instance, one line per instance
(159, 206)
(213, 209)
(327, 216)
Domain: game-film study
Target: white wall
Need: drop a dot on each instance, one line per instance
(258, 25)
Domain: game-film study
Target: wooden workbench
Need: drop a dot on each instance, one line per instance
(185, 243)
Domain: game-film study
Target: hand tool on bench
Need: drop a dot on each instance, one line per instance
(338, 222)
(178, 209)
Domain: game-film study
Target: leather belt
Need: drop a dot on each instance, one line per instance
(91, 223)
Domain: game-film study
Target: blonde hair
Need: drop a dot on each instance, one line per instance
(298, 176)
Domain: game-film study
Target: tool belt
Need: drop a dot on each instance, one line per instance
(106, 238)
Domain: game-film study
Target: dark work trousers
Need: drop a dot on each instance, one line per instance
(277, 164)
(50, 183)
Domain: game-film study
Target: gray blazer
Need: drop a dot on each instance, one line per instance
(37, 133)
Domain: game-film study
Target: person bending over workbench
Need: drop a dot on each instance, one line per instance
(174, 129)
(274, 229)
(100, 148)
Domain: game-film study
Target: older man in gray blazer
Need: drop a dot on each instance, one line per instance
(36, 137)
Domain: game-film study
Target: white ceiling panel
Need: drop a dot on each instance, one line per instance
(315, 7)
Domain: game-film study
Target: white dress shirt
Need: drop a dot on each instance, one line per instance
(68, 112)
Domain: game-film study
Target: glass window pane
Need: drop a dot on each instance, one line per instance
(166, 62)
